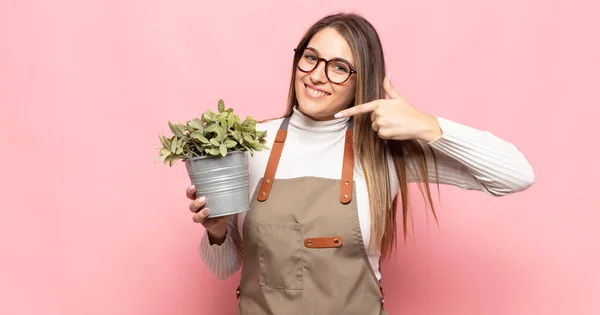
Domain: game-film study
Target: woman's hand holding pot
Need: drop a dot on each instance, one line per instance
(216, 227)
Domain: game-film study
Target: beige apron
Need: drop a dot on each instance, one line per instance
(303, 248)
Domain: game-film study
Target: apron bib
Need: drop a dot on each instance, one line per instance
(303, 247)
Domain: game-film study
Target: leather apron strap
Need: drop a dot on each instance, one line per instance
(347, 167)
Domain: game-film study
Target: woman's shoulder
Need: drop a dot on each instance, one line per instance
(258, 160)
(271, 126)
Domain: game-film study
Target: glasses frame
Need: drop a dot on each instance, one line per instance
(319, 59)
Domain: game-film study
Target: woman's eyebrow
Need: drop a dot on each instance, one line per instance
(317, 51)
(313, 48)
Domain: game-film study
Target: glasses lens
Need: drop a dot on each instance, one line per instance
(308, 61)
(338, 71)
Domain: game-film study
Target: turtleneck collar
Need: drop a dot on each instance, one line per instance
(301, 121)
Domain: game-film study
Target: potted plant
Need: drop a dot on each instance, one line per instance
(214, 149)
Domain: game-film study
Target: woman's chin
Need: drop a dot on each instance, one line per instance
(315, 112)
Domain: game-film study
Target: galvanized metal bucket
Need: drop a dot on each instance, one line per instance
(224, 181)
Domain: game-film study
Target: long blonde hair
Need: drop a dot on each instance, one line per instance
(372, 151)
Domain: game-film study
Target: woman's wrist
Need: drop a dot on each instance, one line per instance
(431, 130)
(216, 239)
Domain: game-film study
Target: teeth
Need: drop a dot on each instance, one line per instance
(314, 92)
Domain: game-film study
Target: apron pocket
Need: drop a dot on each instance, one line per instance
(280, 255)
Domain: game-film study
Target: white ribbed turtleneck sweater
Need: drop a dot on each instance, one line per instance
(467, 158)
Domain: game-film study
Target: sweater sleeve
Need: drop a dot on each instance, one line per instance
(225, 259)
(474, 159)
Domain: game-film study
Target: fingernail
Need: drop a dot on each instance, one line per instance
(390, 76)
(201, 199)
(191, 187)
(338, 115)
(205, 211)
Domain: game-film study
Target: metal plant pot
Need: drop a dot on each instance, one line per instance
(224, 181)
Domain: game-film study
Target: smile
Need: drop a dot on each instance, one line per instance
(315, 93)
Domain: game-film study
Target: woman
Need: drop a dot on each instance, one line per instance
(319, 222)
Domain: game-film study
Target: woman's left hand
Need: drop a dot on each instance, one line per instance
(396, 119)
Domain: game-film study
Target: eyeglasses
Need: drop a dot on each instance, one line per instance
(337, 70)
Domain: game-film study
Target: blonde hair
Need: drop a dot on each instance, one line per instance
(371, 151)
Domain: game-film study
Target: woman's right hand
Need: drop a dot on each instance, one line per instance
(216, 227)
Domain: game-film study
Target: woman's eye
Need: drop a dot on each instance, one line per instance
(340, 68)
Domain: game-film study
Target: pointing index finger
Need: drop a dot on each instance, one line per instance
(358, 109)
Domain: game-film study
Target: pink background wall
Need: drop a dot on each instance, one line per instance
(89, 225)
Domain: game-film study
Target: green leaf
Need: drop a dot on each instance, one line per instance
(175, 130)
(223, 150)
(223, 122)
(196, 124)
(164, 151)
(164, 141)
(221, 134)
(197, 135)
(237, 135)
(215, 142)
(221, 106)
(247, 128)
(237, 126)
(207, 116)
(174, 145)
(212, 128)
(171, 160)
(182, 128)
(230, 121)
(249, 122)
(247, 137)
(229, 143)
(214, 151)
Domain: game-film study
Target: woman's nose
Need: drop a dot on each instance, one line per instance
(318, 74)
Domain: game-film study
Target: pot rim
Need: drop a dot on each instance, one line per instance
(214, 157)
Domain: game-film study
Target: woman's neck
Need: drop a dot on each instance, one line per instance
(304, 122)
